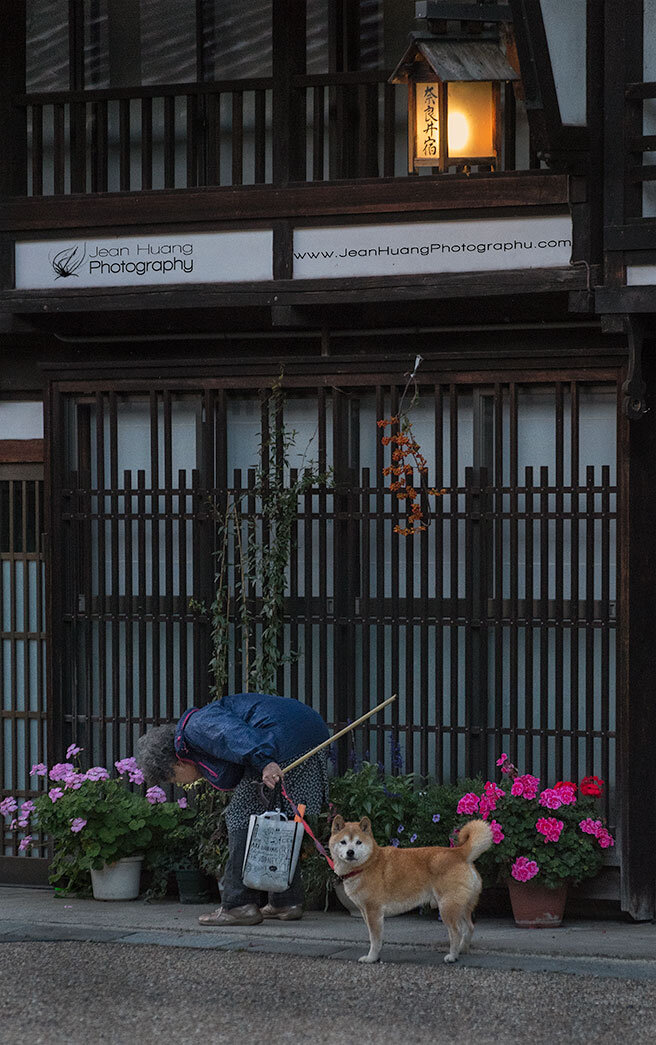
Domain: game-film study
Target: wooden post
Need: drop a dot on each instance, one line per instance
(13, 123)
(289, 122)
(636, 703)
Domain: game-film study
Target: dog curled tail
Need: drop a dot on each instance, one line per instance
(474, 838)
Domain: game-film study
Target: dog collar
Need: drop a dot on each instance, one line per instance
(351, 874)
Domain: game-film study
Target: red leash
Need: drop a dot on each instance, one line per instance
(308, 829)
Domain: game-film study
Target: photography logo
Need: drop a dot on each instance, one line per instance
(66, 262)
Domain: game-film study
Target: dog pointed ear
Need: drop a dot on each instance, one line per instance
(365, 824)
(338, 825)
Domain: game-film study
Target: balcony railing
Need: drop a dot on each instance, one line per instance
(352, 125)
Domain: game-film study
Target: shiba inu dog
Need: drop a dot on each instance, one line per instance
(385, 880)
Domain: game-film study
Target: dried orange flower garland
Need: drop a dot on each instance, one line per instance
(406, 450)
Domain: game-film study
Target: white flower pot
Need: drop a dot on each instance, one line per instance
(119, 881)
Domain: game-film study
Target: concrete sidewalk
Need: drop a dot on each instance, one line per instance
(602, 948)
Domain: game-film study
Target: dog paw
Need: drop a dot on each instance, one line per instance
(450, 959)
(368, 959)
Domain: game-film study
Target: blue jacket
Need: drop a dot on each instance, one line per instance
(246, 730)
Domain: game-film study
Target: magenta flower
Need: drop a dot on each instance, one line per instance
(567, 794)
(54, 794)
(493, 791)
(605, 838)
(155, 795)
(8, 805)
(504, 758)
(25, 843)
(73, 750)
(96, 773)
(468, 803)
(551, 798)
(550, 828)
(525, 786)
(524, 869)
(497, 833)
(77, 824)
(182, 802)
(39, 769)
(590, 826)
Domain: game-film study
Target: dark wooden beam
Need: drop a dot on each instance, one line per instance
(164, 208)
(638, 236)
(625, 300)
(376, 289)
(637, 707)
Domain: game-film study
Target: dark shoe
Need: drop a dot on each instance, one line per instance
(249, 914)
(283, 914)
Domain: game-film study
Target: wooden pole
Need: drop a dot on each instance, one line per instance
(347, 729)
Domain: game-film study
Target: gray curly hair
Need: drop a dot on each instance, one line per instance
(156, 754)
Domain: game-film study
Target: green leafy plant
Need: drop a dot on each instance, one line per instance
(552, 834)
(254, 549)
(93, 819)
(404, 810)
(209, 835)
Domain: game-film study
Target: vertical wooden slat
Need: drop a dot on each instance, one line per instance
(559, 537)
(99, 616)
(237, 137)
(124, 125)
(259, 132)
(604, 638)
(328, 618)
(365, 602)
(169, 631)
(113, 609)
(380, 532)
(529, 633)
(454, 636)
(513, 663)
(169, 142)
(155, 613)
(500, 738)
(146, 143)
(544, 619)
(141, 599)
(37, 150)
(192, 118)
(183, 596)
(389, 130)
(128, 614)
(58, 149)
(590, 556)
(395, 558)
(574, 583)
(438, 414)
(318, 133)
(213, 143)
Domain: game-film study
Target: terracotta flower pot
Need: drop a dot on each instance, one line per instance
(535, 906)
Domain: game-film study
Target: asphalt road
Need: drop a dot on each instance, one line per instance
(83, 993)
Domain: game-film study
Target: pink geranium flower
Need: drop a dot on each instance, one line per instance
(96, 773)
(497, 833)
(550, 828)
(39, 769)
(55, 793)
(590, 826)
(525, 786)
(468, 804)
(551, 798)
(504, 758)
(605, 838)
(524, 869)
(73, 750)
(62, 770)
(182, 802)
(25, 843)
(77, 824)
(8, 805)
(155, 795)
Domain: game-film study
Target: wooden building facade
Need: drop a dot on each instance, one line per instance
(196, 197)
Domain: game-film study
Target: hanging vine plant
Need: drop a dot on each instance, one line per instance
(259, 562)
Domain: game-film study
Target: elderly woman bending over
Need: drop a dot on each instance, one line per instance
(234, 743)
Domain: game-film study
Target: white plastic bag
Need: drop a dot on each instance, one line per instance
(272, 849)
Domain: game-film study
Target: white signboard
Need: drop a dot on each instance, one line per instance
(474, 245)
(641, 275)
(145, 260)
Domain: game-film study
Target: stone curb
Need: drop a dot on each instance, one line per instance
(617, 968)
